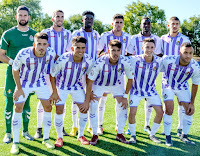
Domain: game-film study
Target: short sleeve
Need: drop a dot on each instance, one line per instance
(17, 62)
(94, 71)
(129, 70)
(56, 67)
(196, 76)
(4, 42)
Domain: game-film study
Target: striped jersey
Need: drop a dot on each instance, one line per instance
(32, 68)
(145, 75)
(125, 39)
(171, 45)
(176, 76)
(105, 74)
(135, 46)
(59, 41)
(92, 41)
(68, 73)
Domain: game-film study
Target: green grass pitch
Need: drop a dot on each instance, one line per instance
(107, 144)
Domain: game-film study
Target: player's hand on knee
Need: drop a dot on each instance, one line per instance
(93, 97)
(17, 94)
(124, 103)
(54, 98)
(190, 109)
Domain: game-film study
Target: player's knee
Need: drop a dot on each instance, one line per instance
(160, 113)
(48, 108)
(18, 108)
(132, 112)
(169, 111)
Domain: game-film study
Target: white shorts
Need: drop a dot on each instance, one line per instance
(78, 96)
(182, 95)
(134, 100)
(117, 90)
(43, 93)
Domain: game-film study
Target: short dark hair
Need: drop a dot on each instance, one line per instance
(146, 18)
(77, 39)
(174, 18)
(116, 43)
(186, 44)
(54, 13)
(23, 7)
(117, 16)
(41, 35)
(148, 40)
(87, 12)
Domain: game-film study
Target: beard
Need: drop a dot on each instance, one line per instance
(23, 24)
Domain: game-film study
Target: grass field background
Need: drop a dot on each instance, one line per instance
(107, 144)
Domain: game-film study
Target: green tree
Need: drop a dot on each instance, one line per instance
(191, 28)
(137, 10)
(8, 11)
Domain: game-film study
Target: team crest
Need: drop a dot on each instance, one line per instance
(187, 73)
(124, 40)
(31, 38)
(119, 69)
(154, 68)
(47, 61)
(132, 73)
(95, 37)
(9, 91)
(131, 102)
(165, 96)
(65, 37)
(178, 42)
(83, 69)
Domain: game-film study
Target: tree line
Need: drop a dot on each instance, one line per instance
(132, 19)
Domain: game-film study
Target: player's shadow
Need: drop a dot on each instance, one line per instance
(36, 149)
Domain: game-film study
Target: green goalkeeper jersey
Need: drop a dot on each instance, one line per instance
(13, 40)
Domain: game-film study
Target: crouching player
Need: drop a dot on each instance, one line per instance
(29, 68)
(146, 68)
(106, 73)
(68, 70)
(177, 71)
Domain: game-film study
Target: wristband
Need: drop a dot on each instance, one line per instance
(10, 62)
(125, 95)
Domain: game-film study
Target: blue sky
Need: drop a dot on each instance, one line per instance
(105, 9)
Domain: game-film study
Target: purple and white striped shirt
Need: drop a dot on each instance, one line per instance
(125, 39)
(105, 74)
(145, 75)
(135, 46)
(171, 45)
(176, 76)
(59, 41)
(92, 41)
(68, 73)
(32, 68)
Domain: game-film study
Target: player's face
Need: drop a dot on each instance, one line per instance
(186, 54)
(118, 24)
(79, 50)
(22, 17)
(114, 53)
(145, 25)
(174, 26)
(40, 46)
(148, 49)
(88, 21)
(58, 19)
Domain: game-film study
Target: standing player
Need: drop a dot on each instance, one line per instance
(124, 38)
(13, 40)
(135, 48)
(92, 38)
(29, 69)
(106, 74)
(177, 71)
(68, 70)
(171, 43)
(59, 40)
(146, 68)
